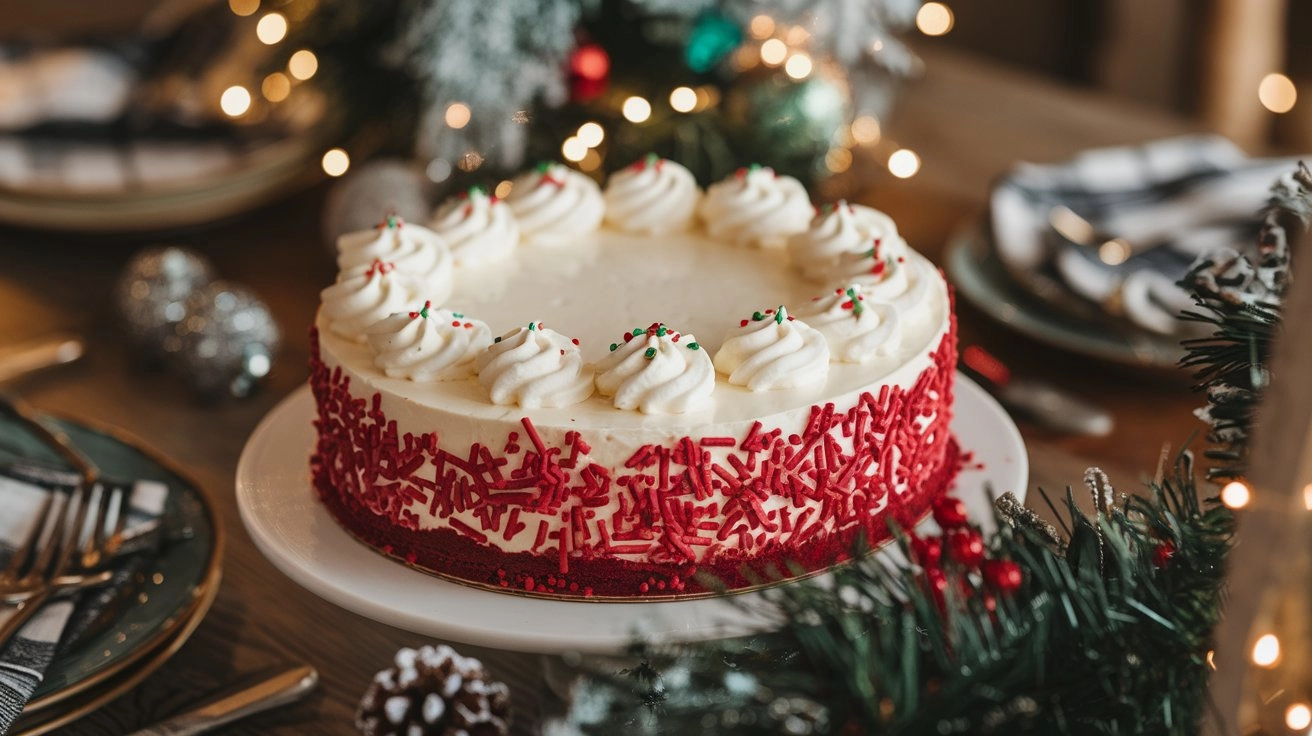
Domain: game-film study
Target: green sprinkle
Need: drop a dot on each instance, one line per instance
(651, 159)
(694, 346)
(543, 167)
(532, 326)
(857, 307)
(478, 189)
(826, 208)
(457, 315)
(392, 222)
(424, 312)
(870, 253)
(753, 167)
(497, 340)
(614, 346)
(660, 331)
(637, 331)
(649, 353)
(757, 316)
(780, 314)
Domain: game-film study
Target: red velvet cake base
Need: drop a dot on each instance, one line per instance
(369, 479)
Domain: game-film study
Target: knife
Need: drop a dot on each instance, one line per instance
(1036, 399)
(278, 690)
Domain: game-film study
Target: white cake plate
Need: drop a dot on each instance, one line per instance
(289, 525)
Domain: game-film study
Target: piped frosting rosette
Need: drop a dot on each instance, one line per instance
(478, 227)
(415, 250)
(428, 344)
(838, 233)
(534, 367)
(755, 206)
(652, 196)
(900, 280)
(554, 204)
(857, 330)
(773, 350)
(656, 371)
(366, 295)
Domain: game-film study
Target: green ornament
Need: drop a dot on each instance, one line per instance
(713, 37)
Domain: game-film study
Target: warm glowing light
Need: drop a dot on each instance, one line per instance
(865, 130)
(591, 161)
(1307, 496)
(838, 160)
(592, 134)
(1235, 494)
(903, 163)
(934, 19)
(272, 28)
(276, 87)
(457, 115)
(1211, 658)
(761, 26)
(745, 58)
(683, 99)
(244, 7)
(1298, 716)
(1266, 652)
(636, 109)
(798, 66)
(1277, 93)
(303, 64)
(335, 162)
(1114, 252)
(707, 96)
(573, 149)
(503, 189)
(774, 51)
(235, 101)
(796, 36)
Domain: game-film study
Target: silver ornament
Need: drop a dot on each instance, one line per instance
(226, 340)
(151, 292)
(365, 195)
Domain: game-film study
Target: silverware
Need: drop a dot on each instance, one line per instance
(1036, 399)
(48, 352)
(278, 690)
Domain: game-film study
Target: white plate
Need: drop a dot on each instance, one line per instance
(279, 508)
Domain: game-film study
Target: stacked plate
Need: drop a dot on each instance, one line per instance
(150, 622)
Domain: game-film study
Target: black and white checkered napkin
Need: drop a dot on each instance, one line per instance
(58, 625)
(1169, 201)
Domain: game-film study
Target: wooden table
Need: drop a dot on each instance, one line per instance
(968, 119)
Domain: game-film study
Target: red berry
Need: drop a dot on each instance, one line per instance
(949, 512)
(928, 551)
(1163, 553)
(966, 547)
(1004, 576)
(938, 581)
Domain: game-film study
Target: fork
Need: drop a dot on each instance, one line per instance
(99, 545)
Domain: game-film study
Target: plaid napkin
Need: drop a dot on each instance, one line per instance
(1170, 200)
(65, 619)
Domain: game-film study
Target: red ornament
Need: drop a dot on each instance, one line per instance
(938, 582)
(966, 546)
(928, 551)
(1003, 576)
(950, 512)
(1163, 553)
(589, 72)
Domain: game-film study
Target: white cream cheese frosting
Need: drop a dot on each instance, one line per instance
(656, 371)
(857, 330)
(839, 233)
(478, 227)
(773, 350)
(755, 206)
(554, 204)
(534, 367)
(414, 249)
(366, 295)
(652, 196)
(897, 280)
(427, 344)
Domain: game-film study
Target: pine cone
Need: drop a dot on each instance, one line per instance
(433, 691)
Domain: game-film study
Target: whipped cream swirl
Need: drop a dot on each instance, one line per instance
(773, 350)
(652, 196)
(656, 371)
(414, 250)
(902, 281)
(534, 367)
(364, 296)
(478, 227)
(756, 207)
(427, 345)
(857, 330)
(554, 204)
(842, 231)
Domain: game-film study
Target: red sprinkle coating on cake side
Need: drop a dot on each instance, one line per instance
(367, 476)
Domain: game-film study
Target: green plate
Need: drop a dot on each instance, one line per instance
(174, 588)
